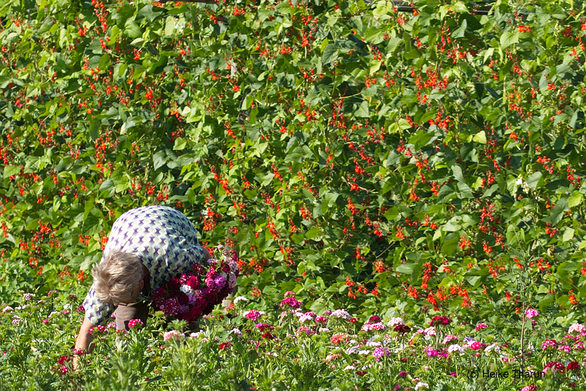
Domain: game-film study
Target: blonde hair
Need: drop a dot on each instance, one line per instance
(116, 278)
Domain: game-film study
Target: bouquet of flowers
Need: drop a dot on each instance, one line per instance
(190, 296)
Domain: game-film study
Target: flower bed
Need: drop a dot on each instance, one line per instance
(292, 347)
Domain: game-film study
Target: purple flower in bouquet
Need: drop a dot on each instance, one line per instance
(193, 295)
(171, 307)
(220, 281)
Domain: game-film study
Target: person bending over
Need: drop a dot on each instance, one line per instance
(146, 248)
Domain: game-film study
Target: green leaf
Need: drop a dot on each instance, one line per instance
(460, 31)
(170, 25)
(509, 38)
(406, 268)
(11, 170)
(450, 244)
(330, 199)
(131, 29)
(533, 180)
(575, 199)
(330, 54)
(159, 160)
(363, 110)
(568, 234)
(458, 175)
(557, 212)
(480, 137)
(314, 234)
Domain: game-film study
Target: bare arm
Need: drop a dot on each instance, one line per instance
(84, 338)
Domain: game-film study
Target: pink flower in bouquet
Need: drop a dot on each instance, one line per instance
(481, 326)
(531, 313)
(193, 282)
(171, 307)
(531, 387)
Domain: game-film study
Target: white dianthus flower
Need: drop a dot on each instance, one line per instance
(186, 289)
(238, 299)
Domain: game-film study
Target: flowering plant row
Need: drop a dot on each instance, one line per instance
(290, 347)
(190, 296)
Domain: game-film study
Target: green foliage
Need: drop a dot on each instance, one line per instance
(352, 153)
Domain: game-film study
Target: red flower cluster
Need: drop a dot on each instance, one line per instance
(192, 295)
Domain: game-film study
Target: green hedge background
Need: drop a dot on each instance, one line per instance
(351, 152)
